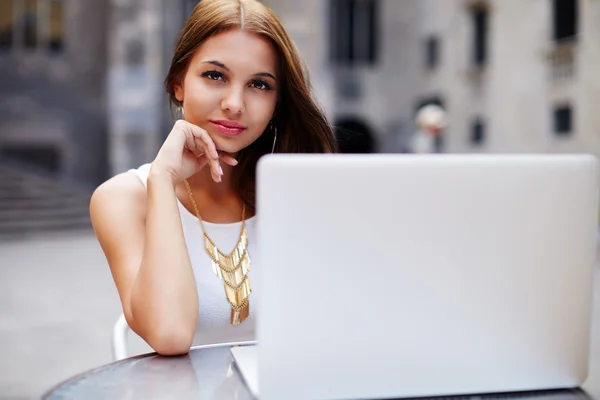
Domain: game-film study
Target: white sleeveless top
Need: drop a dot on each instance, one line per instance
(214, 324)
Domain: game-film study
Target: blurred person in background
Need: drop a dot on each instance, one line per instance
(178, 232)
(430, 120)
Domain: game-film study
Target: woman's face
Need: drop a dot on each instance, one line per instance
(230, 88)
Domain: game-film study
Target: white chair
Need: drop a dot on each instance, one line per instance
(119, 339)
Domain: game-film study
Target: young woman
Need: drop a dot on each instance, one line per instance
(178, 233)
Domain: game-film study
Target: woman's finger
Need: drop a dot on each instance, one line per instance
(228, 159)
(203, 144)
(213, 164)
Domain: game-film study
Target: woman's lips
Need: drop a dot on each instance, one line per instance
(228, 128)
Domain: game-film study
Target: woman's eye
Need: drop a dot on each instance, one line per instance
(213, 75)
(261, 85)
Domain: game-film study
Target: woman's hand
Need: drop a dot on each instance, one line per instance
(187, 150)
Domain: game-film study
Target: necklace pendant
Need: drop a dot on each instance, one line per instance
(238, 315)
(233, 270)
(238, 295)
(217, 270)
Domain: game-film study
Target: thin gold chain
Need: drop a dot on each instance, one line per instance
(239, 312)
(232, 287)
(197, 212)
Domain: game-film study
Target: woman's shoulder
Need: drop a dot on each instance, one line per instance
(141, 172)
(130, 182)
(124, 190)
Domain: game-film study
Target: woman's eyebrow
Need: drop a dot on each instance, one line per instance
(265, 75)
(221, 65)
(217, 63)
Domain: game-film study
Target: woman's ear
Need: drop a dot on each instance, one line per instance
(178, 92)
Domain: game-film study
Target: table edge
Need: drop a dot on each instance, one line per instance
(67, 381)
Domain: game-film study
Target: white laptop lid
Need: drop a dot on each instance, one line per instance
(395, 276)
(247, 364)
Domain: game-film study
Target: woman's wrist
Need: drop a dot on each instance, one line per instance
(160, 175)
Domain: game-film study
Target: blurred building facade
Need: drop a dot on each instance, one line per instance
(515, 76)
(81, 88)
(81, 91)
(52, 85)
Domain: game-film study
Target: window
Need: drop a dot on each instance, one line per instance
(478, 132)
(563, 120)
(135, 54)
(29, 22)
(56, 26)
(480, 17)
(40, 155)
(565, 19)
(6, 24)
(432, 52)
(353, 31)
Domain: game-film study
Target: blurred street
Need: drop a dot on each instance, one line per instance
(58, 305)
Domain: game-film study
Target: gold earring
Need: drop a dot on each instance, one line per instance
(274, 139)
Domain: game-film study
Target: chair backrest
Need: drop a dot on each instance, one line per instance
(119, 338)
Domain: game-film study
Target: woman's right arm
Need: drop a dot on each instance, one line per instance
(140, 232)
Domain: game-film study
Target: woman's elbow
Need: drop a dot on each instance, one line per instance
(171, 343)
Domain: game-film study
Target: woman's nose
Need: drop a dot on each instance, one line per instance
(234, 101)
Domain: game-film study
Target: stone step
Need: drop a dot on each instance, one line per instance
(11, 214)
(39, 187)
(32, 202)
(31, 185)
(9, 228)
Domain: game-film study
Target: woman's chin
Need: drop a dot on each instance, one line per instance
(231, 145)
(228, 147)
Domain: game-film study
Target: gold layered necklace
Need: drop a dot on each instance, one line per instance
(231, 268)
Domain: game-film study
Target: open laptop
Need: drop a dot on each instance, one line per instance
(388, 276)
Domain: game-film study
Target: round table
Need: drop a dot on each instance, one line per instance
(206, 372)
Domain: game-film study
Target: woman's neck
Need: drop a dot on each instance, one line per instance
(203, 182)
(217, 202)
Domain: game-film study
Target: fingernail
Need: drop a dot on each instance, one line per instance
(235, 161)
(215, 154)
(220, 170)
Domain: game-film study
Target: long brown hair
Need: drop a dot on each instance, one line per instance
(301, 125)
